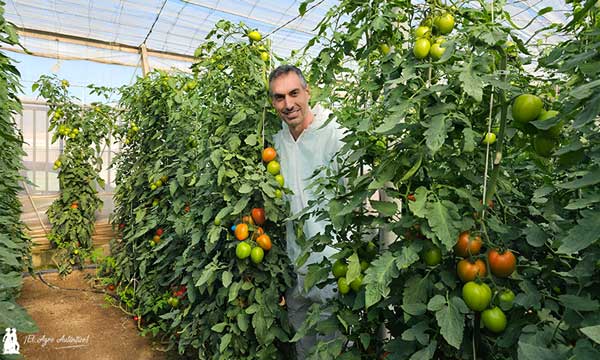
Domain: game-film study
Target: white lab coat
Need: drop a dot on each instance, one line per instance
(315, 147)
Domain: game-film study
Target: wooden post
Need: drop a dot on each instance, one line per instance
(145, 64)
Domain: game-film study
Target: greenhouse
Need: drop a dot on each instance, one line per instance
(319, 179)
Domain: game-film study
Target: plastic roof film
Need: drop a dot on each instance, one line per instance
(180, 26)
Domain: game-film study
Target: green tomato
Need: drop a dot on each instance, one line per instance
(339, 269)
(384, 48)
(489, 138)
(476, 296)
(555, 130)
(544, 146)
(257, 254)
(444, 23)
(279, 179)
(356, 283)
(494, 319)
(243, 250)
(505, 299)
(364, 265)
(343, 286)
(436, 51)
(152, 187)
(526, 107)
(422, 31)
(421, 48)
(432, 256)
(173, 301)
(158, 183)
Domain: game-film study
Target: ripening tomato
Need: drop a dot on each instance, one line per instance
(467, 245)
(247, 220)
(264, 241)
(258, 214)
(273, 167)
(280, 180)
(444, 23)
(502, 265)
(422, 31)
(468, 271)
(241, 231)
(159, 231)
(254, 35)
(476, 296)
(269, 154)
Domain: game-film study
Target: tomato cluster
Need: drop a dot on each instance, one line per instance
(425, 45)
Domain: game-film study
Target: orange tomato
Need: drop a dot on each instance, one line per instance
(258, 232)
(258, 214)
(468, 271)
(241, 232)
(264, 241)
(466, 245)
(269, 154)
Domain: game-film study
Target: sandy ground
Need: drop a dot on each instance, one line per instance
(75, 324)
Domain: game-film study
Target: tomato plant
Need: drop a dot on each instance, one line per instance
(201, 135)
(84, 131)
(14, 243)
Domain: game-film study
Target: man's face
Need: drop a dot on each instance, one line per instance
(290, 100)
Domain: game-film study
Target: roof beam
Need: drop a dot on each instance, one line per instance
(77, 40)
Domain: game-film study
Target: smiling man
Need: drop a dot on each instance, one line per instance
(304, 144)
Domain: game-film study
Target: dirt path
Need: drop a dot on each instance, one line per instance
(75, 325)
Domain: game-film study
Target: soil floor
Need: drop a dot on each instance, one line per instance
(76, 324)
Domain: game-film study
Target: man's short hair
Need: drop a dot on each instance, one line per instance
(285, 69)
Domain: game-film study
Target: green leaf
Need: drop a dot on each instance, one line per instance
(436, 303)
(591, 178)
(436, 133)
(469, 138)
(225, 340)
(414, 309)
(234, 291)
(417, 332)
(528, 351)
(226, 278)
(378, 277)
(578, 303)
(425, 353)
(315, 273)
(219, 327)
(14, 316)
(240, 205)
(412, 170)
(585, 201)
(238, 118)
(242, 321)
(535, 236)
(593, 332)
(441, 218)
(251, 139)
(245, 188)
(418, 206)
(472, 85)
(353, 268)
(385, 208)
(583, 234)
(365, 340)
(451, 322)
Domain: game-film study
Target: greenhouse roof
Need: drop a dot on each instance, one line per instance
(112, 30)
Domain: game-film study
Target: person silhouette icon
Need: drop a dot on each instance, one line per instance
(11, 344)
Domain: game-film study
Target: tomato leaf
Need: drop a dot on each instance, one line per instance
(417, 332)
(579, 303)
(385, 208)
(436, 133)
(535, 236)
(451, 322)
(593, 332)
(441, 217)
(13, 315)
(226, 278)
(425, 353)
(469, 139)
(436, 303)
(590, 178)
(472, 85)
(527, 351)
(378, 277)
(583, 234)
(315, 274)
(225, 340)
(353, 268)
(418, 206)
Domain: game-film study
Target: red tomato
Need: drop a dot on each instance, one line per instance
(258, 215)
(502, 265)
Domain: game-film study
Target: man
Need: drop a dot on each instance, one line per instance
(303, 145)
